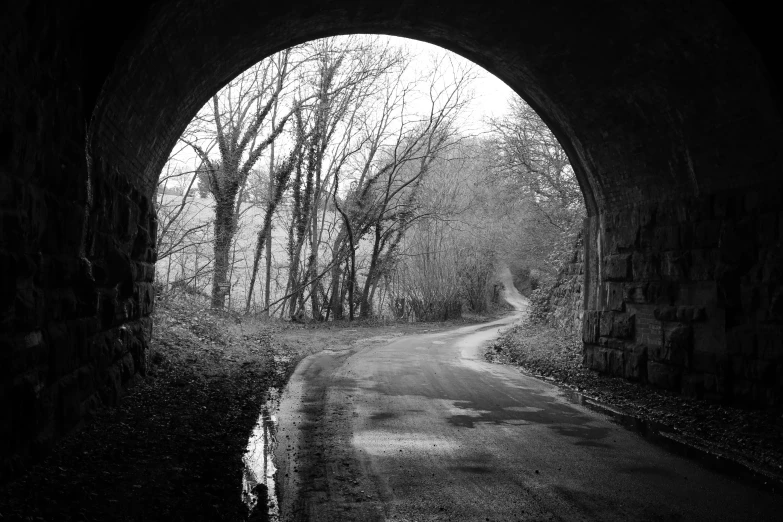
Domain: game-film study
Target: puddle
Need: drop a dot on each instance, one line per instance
(667, 438)
(259, 492)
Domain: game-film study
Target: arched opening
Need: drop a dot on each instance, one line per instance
(649, 125)
(416, 187)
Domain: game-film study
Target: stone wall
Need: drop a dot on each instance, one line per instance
(75, 247)
(687, 295)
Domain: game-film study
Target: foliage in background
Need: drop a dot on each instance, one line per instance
(350, 171)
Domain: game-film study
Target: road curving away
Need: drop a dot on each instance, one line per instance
(422, 428)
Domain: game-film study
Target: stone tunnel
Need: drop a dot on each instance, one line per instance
(669, 112)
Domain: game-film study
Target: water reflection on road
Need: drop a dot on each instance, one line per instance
(258, 480)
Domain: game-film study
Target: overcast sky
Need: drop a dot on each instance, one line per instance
(491, 95)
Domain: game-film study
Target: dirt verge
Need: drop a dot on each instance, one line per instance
(173, 449)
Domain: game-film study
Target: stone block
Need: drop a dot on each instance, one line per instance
(141, 244)
(622, 326)
(111, 389)
(674, 266)
(663, 375)
(686, 314)
(670, 213)
(616, 267)
(144, 295)
(645, 267)
(605, 324)
(595, 358)
(706, 234)
(621, 230)
(635, 293)
(678, 344)
(666, 313)
(662, 293)
(615, 362)
(666, 238)
(636, 362)
(647, 213)
(614, 295)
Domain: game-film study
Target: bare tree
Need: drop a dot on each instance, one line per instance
(534, 170)
(232, 123)
(178, 228)
(343, 80)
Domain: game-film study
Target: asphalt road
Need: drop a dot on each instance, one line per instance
(421, 428)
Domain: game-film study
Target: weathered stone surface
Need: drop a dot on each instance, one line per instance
(645, 266)
(615, 296)
(636, 362)
(591, 327)
(673, 266)
(703, 264)
(606, 324)
(621, 230)
(635, 292)
(617, 267)
(593, 358)
(678, 345)
(666, 238)
(706, 234)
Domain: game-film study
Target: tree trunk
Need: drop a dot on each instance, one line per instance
(225, 227)
(268, 282)
(365, 309)
(336, 300)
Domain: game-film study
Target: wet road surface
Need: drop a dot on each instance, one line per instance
(421, 428)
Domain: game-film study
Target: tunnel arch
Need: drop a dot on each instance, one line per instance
(668, 111)
(620, 102)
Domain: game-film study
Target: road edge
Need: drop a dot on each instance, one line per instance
(666, 436)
